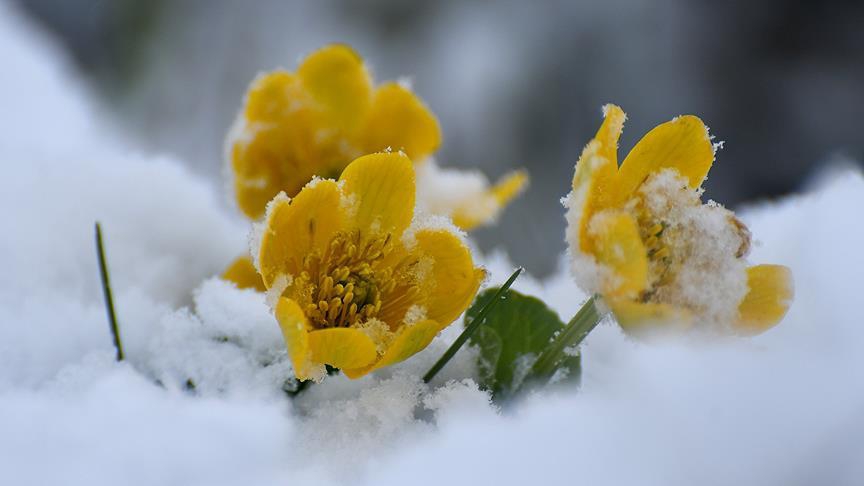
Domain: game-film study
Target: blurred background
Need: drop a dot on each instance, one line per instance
(513, 83)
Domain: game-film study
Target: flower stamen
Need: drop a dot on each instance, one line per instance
(345, 286)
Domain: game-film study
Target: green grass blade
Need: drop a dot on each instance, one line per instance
(576, 330)
(106, 290)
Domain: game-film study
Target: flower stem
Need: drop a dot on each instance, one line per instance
(573, 333)
(106, 290)
(470, 329)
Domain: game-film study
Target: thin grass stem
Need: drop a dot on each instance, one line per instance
(106, 291)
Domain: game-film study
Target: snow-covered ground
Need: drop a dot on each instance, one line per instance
(200, 399)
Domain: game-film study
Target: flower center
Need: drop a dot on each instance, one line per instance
(659, 254)
(670, 243)
(695, 251)
(348, 285)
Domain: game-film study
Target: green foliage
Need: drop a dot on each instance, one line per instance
(515, 332)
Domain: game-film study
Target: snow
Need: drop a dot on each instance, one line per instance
(200, 399)
(710, 278)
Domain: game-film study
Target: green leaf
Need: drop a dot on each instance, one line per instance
(513, 335)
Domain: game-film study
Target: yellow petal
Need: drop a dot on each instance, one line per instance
(297, 227)
(398, 119)
(409, 341)
(380, 190)
(601, 175)
(454, 281)
(618, 246)
(281, 157)
(682, 144)
(342, 347)
(473, 213)
(596, 169)
(244, 275)
(770, 295)
(597, 198)
(510, 186)
(610, 131)
(273, 96)
(642, 319)
(605, 145)
(357, 372)
(295, 330)
(256, 170)
(337, 79)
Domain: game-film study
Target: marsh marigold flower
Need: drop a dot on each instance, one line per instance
(355, 280)
(313, 122)
(641, 238)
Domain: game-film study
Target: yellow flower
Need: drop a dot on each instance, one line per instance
(313, 122)
(355, 280)
(642, 239)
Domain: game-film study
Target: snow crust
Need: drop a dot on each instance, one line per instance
(200, 399)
